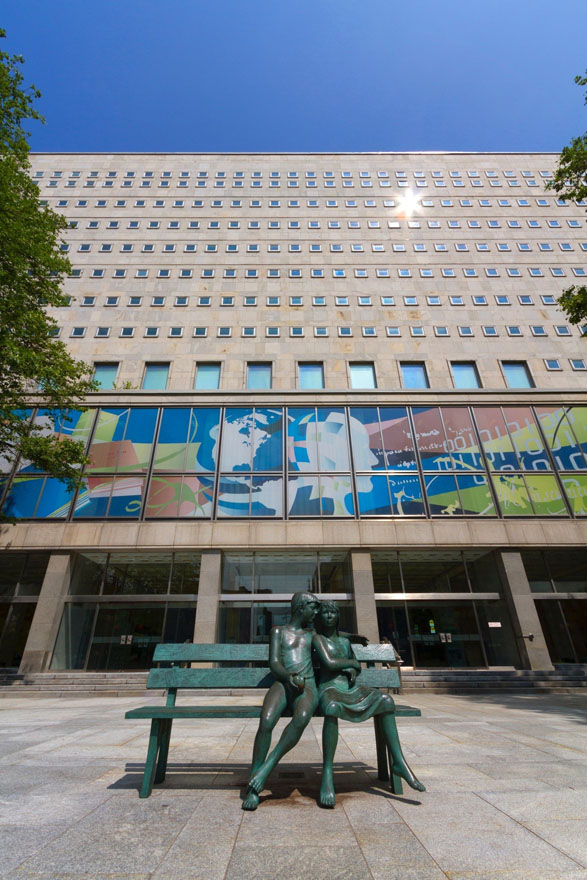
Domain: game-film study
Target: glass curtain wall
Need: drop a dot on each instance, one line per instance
(21, 579)
(257, 574)
(430, 632)
(98, 634)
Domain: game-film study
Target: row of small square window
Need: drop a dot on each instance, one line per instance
(415, 331)
(524, 299)
(318, 247)
(468, 272)
(312, 183)
(330, 224)
(315, 203)
(239, 175)
(310, 375)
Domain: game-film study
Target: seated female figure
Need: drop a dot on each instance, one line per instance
(341, 697)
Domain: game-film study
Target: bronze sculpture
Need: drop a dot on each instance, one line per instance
(290, 661)
(341, 697)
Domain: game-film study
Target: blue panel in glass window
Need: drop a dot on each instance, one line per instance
(373, 495)
(93, 496)
(555, 422)
(303, 496)
(397, 438)
(127, 497)
(267, 496)
(302, 449)
(461, 438)
(336, 496)
(268, 440)
(442, 493)
(431, 439)
(406, 495)
(526, 438)
(237, 441)
(203, 440)
(578, 419)
(55, 500)
(171, 442)
(233, 496)
(23, 496)
(75, 424)
(135, 451)
(333, 448)
(366, 438)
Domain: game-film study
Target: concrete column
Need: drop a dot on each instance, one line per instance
(45, 626)
(364, 595)
(206, 626)
(522, 608)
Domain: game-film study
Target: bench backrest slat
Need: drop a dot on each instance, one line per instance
(375, 653)
(242, 677)
(180, 653)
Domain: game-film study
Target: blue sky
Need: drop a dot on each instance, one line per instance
(302, 75)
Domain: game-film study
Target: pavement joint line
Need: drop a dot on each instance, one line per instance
(354, 833)
(535, 833)
(178, 833)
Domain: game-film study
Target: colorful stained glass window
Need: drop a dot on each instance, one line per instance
(576, 491)
(496, 441)
(442, 494)
(250, 496)
(555, 422)
(381, 438)
(70, 425)
(461, 438)
(22, 498)
(320, 496)
(317, 439)
(123, 439)
(476, 497)
(180, 496)
(110, 497)
(406, 495)
(526, 438)
(512, 495)
(188, 439)
(252, 439)
(431, 439)
(545, 495)
(373, 495)
(578, 420)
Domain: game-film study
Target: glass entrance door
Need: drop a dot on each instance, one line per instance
(445, 634)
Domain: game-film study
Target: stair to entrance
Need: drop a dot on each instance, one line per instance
(564, 679)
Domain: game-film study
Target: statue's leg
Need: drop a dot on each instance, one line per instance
(399, 764)
(329, 742)
(273, 705)
(303, 709)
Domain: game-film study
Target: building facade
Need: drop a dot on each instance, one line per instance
(338, 372)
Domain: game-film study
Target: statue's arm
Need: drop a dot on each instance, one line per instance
(275, 664)
(329, 661)
(355, 638)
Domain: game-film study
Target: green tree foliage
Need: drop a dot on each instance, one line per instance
(32, 268)
(570, 182)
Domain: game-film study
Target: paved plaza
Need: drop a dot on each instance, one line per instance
(506, 800)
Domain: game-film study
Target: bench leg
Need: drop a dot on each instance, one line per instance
(163, 750)
(396, 781)
(382, 762)
(151, 762)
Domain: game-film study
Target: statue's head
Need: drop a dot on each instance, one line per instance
(306, 604)
(328, 615)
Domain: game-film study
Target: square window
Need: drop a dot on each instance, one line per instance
(345, 331)
(248, 331)
(465, 331)
(517, 374)
(414, 375)
(296, 331)
(181, 300)
(176, 331)
(417, 331)
(127, 331)
(514, 331)
(78, 331)
(151, 331)
(393, 331)
(155, 377)
(135, 300)
(490, 331)
(552, 364)
(441, 331)
(577, 363)
(224, 331)
(369, 331)
(200, 331)
(311, 376)
(465, 374)
(562, 330)
(320, 331)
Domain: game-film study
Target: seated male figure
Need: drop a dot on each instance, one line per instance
(290, 661)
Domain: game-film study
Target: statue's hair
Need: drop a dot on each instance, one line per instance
(299, 600)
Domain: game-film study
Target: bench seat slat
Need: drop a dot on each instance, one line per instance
(225, 712)
(178, 653)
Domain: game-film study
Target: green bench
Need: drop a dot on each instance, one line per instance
(237, 674)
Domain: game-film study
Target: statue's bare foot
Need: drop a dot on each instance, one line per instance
(251, 801)
(327, 795)
(406, 774)
(257, 782)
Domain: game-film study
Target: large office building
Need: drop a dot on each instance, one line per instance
(339, 372)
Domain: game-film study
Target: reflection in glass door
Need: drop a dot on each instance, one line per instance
(564, 625)
(443, 634)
